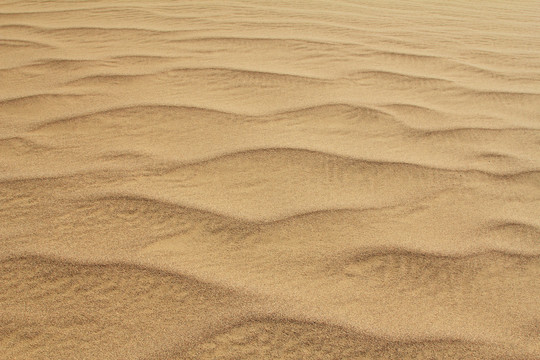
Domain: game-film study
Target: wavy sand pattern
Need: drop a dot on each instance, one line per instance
(269, 180)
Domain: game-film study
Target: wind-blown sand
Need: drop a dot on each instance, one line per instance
(269, 179)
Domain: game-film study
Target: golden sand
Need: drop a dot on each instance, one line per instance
(269, 179)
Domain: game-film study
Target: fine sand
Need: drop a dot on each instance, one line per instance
(256, 179)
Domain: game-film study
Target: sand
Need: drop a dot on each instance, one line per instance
(269, 179)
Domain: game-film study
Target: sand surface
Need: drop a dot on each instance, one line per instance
(269, 179)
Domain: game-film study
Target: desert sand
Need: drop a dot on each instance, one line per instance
(257, 179)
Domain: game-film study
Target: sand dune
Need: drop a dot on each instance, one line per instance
(143, 310)
(294, 340)
(251, 180)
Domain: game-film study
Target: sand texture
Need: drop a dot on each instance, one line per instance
(254, 179)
